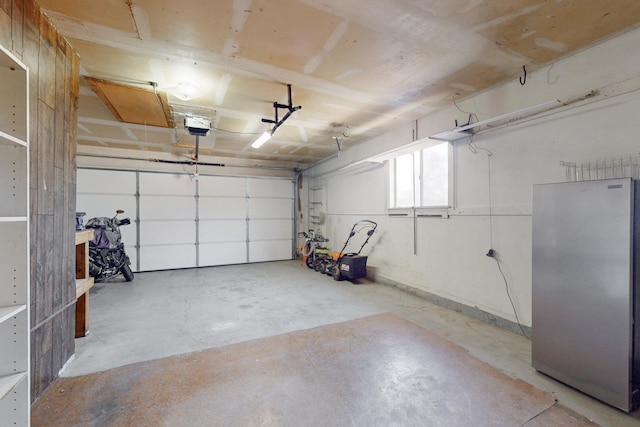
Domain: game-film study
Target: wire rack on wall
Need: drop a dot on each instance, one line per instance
(620, 167)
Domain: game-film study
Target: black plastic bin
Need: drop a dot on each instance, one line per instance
(353, 266)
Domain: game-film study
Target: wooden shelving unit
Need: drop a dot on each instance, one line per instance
(83, 282)
(14, 244)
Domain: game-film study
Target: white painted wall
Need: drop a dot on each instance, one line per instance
(450, 253)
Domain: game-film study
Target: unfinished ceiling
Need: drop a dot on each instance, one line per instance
(358, 68)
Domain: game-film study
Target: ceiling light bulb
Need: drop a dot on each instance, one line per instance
(261, 139)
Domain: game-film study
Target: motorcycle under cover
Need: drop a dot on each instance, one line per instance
(105, 233)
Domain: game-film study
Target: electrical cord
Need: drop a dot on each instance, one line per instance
(306, 252)
(506, 286)
(470, 144)
(491, 252)
(237, 133)
(453, 97)
(476, 150)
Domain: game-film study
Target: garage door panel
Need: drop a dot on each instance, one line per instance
(223, 253)
(223, 231)
(167, 207)
(167, 184)
(214, 208)
(270, 208)
(167, 232)
(270, 250)
(103, 182)
(129, 236)
(95, 205)
(222, 186)
(266, 229)
(167, 257)
(279, 188)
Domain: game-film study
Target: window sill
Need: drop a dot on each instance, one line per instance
(434, 212)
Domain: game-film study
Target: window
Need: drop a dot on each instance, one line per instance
(420, 179)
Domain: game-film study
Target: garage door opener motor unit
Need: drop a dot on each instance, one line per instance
(352, 266)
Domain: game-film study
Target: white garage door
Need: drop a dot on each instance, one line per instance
(167, 224)
(222, 220)
(101, 193)
(270, 210)
(181, 222)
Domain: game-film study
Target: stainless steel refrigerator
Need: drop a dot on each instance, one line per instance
(586, 252)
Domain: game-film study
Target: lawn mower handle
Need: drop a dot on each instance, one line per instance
(353, 232)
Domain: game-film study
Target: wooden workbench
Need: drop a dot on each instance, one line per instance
(83, 282)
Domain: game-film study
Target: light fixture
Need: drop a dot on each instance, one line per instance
(262, 139)
(466, 130)
(276, 122)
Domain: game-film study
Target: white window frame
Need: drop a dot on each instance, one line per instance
(439, 209)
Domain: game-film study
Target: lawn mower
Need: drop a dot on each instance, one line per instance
(314, 253)
(352, 266)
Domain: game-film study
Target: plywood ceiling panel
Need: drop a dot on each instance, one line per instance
(230, 126)
(471, 79)
(291, 33)
(558, 27)
(197, 24)
(473, 15)
(247, 96)
(229, 144)
(315, 151)
(105, 61)
(371, 65)
(132, 104)
(93, 107)
(154, 134)
(108, 13)
(363, 58)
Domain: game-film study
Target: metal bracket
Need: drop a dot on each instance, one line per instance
(276, 106)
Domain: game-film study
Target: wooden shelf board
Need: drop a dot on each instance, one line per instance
(84, 236)
(10, 311)
(5, 137)
(9, 382)
(13, 218)
(83, 285)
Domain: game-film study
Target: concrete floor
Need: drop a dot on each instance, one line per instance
(166, 313)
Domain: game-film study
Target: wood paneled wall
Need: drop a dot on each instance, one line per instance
(53, 103)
